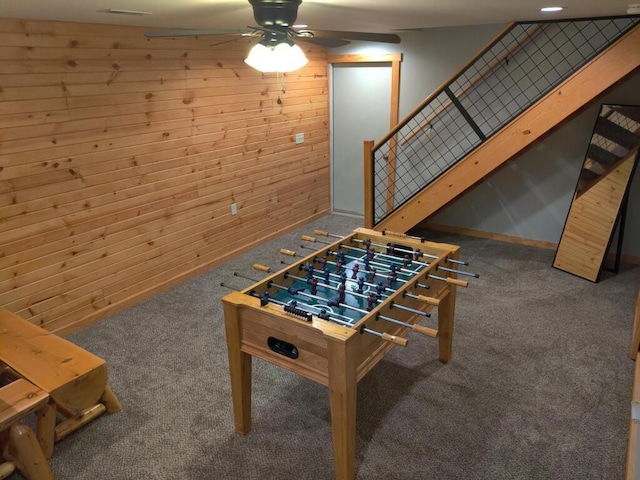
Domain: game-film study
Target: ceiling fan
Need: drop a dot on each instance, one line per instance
(276, 19)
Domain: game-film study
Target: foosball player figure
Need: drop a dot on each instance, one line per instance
(314, 285)
(372, 275)
(326, 274)
(371, 301)
(354, 271)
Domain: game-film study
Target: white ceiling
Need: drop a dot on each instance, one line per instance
(354, 15)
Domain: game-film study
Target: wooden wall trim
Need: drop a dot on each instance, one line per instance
(529, 242)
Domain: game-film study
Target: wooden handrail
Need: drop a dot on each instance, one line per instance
(437, 91)
(520, 43)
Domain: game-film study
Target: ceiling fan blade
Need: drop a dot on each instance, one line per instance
(324, 42)
(193, 33)
(363, 36)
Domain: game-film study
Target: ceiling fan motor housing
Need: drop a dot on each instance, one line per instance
(280, 13)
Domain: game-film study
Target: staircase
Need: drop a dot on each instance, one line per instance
(600, 196)
(523, 84)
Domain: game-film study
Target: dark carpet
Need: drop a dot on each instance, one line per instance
(539, 386)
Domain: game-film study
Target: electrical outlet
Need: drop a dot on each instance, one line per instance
(234, 209)
(299, 138)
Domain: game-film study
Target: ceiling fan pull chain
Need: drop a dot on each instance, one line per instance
(279, 77)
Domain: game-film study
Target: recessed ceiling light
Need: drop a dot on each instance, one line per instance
(551, 9)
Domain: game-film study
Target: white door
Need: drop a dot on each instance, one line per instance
(361, 104)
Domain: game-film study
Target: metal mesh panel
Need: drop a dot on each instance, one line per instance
(508, 77)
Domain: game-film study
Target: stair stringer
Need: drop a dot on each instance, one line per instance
(621, 59)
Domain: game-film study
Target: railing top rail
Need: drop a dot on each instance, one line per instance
(475, 58)
(439, 90)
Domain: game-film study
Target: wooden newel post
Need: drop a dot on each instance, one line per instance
(368, 183)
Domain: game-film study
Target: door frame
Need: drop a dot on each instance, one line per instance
(394, 58)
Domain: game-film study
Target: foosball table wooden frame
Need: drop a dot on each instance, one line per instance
(332, 354)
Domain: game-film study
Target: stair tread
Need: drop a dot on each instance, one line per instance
(616, 133)
(628, 111)
(601, 155)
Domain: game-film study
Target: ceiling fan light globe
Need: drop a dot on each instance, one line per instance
(288, 58)
(260, 58)
(284, 57)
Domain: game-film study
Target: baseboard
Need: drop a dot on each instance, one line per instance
(511, 239)
(114, 308)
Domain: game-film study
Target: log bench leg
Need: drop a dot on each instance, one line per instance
(46, 424)
(24, 451)
(6, 469)
(110, 401)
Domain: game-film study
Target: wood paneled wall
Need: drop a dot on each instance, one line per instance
(120, 157)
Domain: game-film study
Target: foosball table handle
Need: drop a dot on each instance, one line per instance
(429, 300)
(396, 234)
(458, 282)
(262, 268)
(284, 251)
(394, 339)
(429, 332)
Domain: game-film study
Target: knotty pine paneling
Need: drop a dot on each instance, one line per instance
(120, 157)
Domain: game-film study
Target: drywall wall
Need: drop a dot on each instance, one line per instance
(530, 197)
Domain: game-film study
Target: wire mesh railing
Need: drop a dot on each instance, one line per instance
(507, 77)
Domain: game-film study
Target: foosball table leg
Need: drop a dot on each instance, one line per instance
(240, 372)
(342, 399)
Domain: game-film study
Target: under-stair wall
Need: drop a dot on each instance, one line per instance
(559, 104)
(603, 185)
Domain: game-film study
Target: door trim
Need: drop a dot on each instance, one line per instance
(394, 59)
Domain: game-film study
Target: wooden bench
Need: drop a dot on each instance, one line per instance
(74, 379)
(18, 444)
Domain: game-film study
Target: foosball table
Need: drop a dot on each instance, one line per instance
(332, 316)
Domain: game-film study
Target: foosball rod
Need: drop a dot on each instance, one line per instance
(384, 268)
(368, 284)
(356, 294)
(418, 328)
(308, 238)
(404, 271)
(327, 234)
(324, 316)
(328, 285)
(264, 268)
(278, 302)
(385, 336)
(460, 272)
(453, 281)
(380, 254)
(423, 298)
(446, 269)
